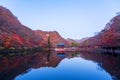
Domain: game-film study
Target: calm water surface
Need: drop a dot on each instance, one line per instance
(69, 66)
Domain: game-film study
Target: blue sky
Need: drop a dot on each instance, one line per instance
(71, 18)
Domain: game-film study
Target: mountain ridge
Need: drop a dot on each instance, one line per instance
(54, 36)
(108, 37)
(15, 34)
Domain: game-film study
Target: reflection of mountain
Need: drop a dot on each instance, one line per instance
(110, 63)
(10, 67)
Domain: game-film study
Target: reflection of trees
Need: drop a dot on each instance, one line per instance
(11, 66)
(110, 63)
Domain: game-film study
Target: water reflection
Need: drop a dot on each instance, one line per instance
(12, 66)
(57, 66)
(107, 62)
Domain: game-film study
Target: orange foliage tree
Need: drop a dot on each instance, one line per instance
(7, 41)
(110, 38)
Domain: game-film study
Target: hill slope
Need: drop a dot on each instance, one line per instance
(108, 37)
(13, 33)
(54, 36)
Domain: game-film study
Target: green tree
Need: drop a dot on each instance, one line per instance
(85, 43)
(74, 44)
(49, 43)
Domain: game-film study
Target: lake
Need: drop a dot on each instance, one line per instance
(55, 66)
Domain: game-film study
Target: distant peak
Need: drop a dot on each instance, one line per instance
(118, 13)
